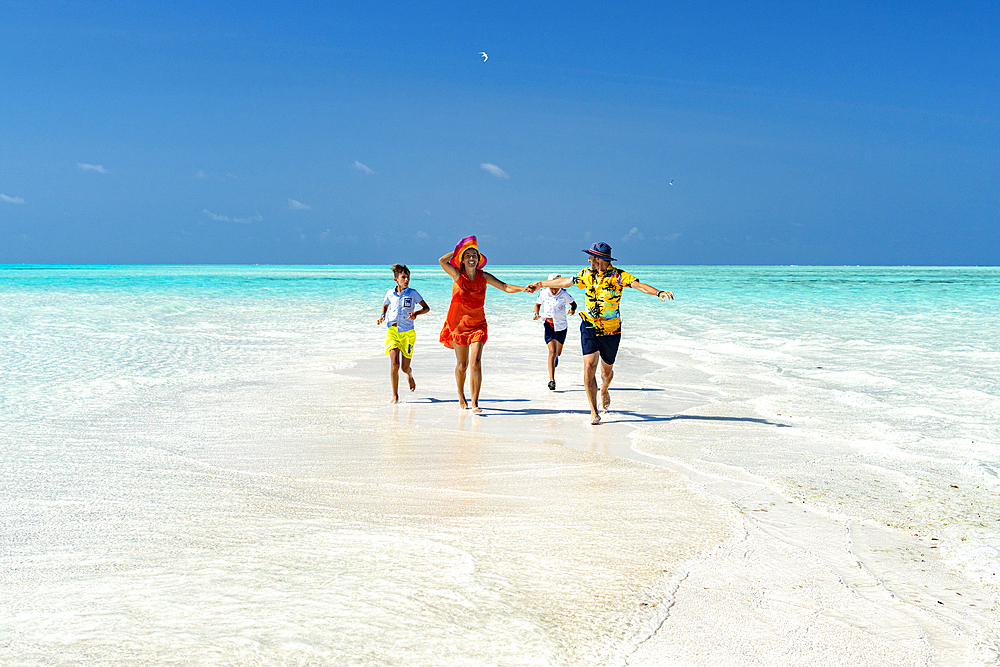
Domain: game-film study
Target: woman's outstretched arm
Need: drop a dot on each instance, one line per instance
(501, 285)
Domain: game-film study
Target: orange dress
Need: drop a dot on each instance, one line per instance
(466, 320)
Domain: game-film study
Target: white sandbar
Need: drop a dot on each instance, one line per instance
(774, 582)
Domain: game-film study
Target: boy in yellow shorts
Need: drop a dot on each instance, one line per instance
(398, 312)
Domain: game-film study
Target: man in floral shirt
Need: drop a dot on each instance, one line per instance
(600, 330)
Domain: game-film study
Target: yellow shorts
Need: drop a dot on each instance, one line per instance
(400, 340)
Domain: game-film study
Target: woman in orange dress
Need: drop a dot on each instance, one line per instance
(464, 328)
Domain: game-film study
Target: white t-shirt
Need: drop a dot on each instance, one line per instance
(400, 306)
(554, 306)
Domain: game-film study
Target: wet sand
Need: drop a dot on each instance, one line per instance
(745, 576)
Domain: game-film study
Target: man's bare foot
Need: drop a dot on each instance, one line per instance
(462, 403)
(605, 399)
(413, 383)
(595, 420)
(476, 409)
(395, 399)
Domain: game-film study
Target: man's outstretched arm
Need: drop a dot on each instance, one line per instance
(555, 282)
(661, 294)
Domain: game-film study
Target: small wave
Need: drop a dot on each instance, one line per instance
(172, 309)
(856, 400)
(280, 334)
(980, 471)
(856, 378)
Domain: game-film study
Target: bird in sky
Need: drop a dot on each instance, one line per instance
(485, 57)
(671, 181)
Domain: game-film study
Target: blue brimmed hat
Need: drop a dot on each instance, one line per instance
(601, 250)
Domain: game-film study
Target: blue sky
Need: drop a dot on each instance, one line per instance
(316, 133)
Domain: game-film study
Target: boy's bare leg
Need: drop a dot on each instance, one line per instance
(552, 360)
(461, 365)
(590, 362)
(607, 374)
(476, 376)
(394, 374)
(405, 365)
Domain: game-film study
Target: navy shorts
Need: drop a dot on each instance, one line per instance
(606, 345)
(551, 334)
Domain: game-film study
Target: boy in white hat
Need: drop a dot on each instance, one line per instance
(551, 305)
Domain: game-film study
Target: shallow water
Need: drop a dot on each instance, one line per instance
(891, 378)
(172, 493)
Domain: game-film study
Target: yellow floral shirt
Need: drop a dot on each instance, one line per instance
(603, 290)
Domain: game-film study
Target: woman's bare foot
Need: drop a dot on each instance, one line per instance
(462, 403)
(476, 409)
(413, 383)
(595, 420)
(395, 399)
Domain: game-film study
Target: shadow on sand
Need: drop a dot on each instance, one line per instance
(630, 415)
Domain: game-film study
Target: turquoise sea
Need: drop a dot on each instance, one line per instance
(887, 379)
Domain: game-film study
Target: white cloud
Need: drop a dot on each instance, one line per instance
(634, 232)
(226, 218)
(361, 167)
(11, 200)
(670, 238)
(423, 235)
(92, 167)
(343, 238)
(298, 206)
(200, 174)
(495, 170)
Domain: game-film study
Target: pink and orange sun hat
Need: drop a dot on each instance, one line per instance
(463, 245)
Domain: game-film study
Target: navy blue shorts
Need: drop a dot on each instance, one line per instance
(552, 334)
(606, 345)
